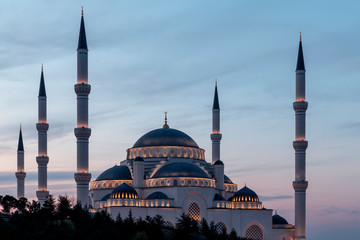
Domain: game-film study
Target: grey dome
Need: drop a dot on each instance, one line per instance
(121, 172)
(157, 195)
(218, 197)
(227, 179)
(180, 169)
(219, 162)
(106, 197)
(245, 195)
(277, 219)
(124, 191)
(165, 137)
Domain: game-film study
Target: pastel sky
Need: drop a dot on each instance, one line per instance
(147, 57)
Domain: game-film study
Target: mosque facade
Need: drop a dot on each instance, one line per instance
(166, 173)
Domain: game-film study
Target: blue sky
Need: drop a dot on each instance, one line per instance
(147, 57)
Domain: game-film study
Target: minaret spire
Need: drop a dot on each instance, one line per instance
(300, 145)
(215, 135)
(20, 174)
(42, 127)
(165, 125)
(82, 131)
(300, 61)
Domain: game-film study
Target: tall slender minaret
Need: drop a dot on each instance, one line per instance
(42, 159)
(215, 135)
(20, 174)
(300, 144)
(82, 131)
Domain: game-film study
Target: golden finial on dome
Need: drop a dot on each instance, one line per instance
(166, 125)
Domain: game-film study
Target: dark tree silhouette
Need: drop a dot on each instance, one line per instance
(58, 219)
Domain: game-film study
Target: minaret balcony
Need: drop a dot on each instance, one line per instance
(42, 160)
(300, 145)
(82, 132)
(82, 88)
(216, 136)
(300, 185)
(82, 177)
(300, 106)
(42, 194)
(42, 126)
(20, 175)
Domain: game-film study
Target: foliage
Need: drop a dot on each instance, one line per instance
(60, 219)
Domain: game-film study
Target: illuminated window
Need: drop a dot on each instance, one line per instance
(220, 227)
(182, 182)
(189, 183)
(168, 183)
(254, 232)
(194, 211)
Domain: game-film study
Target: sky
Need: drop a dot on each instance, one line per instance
(147, 57)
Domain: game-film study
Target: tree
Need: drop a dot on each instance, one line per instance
(8, 203)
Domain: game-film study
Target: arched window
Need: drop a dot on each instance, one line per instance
(254, 232)
(220, 227)
(194, 211)
(175, 182)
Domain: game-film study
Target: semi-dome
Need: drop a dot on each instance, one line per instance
(157, 195)
(277, 219)
(165, 137)
(121, 172)
(245, 195)
(180, 169)
(124, 191)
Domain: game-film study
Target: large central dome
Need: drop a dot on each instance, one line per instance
(165, 137)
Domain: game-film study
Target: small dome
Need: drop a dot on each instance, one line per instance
(245, 195)
(165, 137)
(219, 162)
(157, 195)
(218, 197)
(180, 169)
(106, 197)
(121, 172)
(227, 179)
(277, 219)
(124, 191)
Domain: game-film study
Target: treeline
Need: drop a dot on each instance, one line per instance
(60, 219)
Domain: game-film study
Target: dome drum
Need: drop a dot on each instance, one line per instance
(166, 151)
(180, 182)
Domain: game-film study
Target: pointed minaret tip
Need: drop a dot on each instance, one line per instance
(42, 91)
(216, 98)
(300, 61)
(165, 125)
(82, 11)
(82, 44)
(20, 143)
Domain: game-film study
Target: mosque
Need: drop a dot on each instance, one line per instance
(166, 173)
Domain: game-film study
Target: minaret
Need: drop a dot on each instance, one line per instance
(42, 159)
(82, 132)
(300, 144)
(20, 174)
(216, 135)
